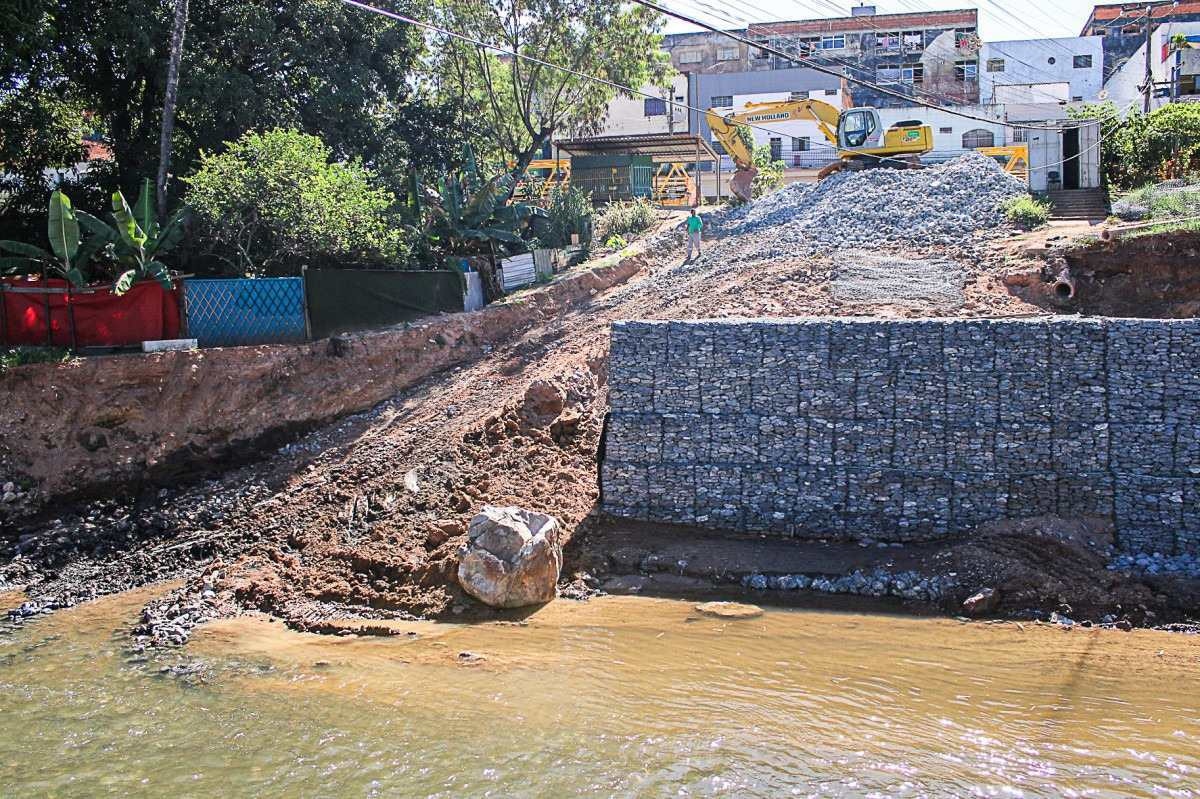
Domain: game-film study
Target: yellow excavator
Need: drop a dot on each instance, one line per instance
(857, 133)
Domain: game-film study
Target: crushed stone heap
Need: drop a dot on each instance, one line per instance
(936, 206)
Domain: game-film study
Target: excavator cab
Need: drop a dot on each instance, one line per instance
(858, 128)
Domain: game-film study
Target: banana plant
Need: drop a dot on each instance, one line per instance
(136, 240)
(66, 257)
(469, 209)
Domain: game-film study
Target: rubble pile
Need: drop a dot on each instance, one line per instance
(936, 206)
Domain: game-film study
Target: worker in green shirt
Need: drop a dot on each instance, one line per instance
(694, 225)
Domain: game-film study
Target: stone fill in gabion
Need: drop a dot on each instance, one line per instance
(938, 205)
(903, 430)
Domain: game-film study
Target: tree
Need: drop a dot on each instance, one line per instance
(1141, 148)
(272, 202)
(168, 118)
(517, 105)
(313, 65)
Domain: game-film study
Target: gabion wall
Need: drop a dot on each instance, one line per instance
(907, 429)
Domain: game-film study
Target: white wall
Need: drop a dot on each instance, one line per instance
(948, 142)
(1040, 63)
(627, 116)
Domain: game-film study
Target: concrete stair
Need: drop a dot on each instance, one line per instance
(1085, 204)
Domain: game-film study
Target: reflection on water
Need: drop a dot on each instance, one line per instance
(618, 696)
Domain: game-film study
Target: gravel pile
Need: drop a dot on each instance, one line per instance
(936, 206)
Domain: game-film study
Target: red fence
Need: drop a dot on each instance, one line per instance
(41, 312)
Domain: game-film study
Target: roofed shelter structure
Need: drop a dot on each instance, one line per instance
(653, 166)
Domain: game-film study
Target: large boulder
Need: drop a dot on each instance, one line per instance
(512, 558)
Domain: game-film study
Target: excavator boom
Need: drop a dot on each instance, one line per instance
(856, 133)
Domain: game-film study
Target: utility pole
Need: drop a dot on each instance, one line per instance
(1149, 87)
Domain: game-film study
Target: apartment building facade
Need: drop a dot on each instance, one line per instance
(932, 55)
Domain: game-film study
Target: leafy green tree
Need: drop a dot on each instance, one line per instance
(271, 202)
(515, 105)
(1140, 148)
(318, 66)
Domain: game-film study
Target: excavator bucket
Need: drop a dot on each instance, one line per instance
(742, 183)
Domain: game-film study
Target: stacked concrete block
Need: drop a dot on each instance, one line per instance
(907, 429)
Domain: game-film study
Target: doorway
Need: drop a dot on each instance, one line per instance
(1070, 165)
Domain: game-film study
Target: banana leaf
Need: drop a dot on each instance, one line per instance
(125, 282)
(98, 227)
(143, 210)
(62, 228)
(26, 250)
(16, 265)
(171, 233)
(133, 236)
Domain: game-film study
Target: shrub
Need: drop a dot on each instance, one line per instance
(274, 201)
(770, 173)
(625, 219)
(1026, 212)
(1141, 148)
(570, 211)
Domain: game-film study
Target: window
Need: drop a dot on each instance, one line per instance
(945, 130)
(800, 144)
(966, 70)
(1077, 98)
(835, 42)
(794, 96)
(978, 138)
(718, 148)
(913, 40)
(691, 57)
(1020, 135)
(776, 148)
(887, 73)
(912, 73)
(964, 38)
(761, 53)
(995, 65)
(721, 101)
(856, 127)
(654, 107)
(889, 40)
(831, 92)
(728, 54)
(1187, 84)
(1082, 62)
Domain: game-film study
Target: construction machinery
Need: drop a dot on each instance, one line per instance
(860, 138)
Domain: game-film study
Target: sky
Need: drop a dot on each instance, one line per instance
(999, 20)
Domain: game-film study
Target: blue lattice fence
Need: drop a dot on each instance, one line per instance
(238, 311)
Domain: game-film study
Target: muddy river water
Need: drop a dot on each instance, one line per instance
(613, 697)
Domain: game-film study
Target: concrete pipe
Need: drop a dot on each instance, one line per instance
(1064, 286)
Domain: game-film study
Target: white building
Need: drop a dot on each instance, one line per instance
(953, 134)
(1042, 70)
(665, 112)
(1174, 69)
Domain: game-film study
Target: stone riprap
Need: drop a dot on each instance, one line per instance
(903, 430)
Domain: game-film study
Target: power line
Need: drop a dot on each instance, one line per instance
(620, 87)
(826, 70)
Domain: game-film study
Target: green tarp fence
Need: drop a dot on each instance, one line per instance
(345, 300)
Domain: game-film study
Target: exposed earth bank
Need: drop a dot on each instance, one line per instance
(361, 520)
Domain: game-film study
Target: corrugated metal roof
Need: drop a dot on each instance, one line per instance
(660, 146)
